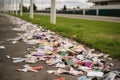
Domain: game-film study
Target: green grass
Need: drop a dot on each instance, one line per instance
(101, 35)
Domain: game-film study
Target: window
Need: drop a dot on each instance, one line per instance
(104, 3)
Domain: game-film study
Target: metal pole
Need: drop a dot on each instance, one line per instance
(16, 7)
(53, 12)
(3, 5)
(7, 8)
(97, 12)
(83, 11)
(10, 6)
(31, 9)
(0, 5)
(13, 6)
(21, 8)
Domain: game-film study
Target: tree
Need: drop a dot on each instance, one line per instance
(65, 8)
(78, 7)
(25, 9)
(34, 7)
(48, 9)
(73, 8)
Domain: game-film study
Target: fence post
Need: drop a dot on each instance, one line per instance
(53, 12)
(21, 8)
(83, 11)
(31, 9)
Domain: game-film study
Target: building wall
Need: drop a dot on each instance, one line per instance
(106, 7)
(102, 12)
(105, 4)
(108, 3)
(100, 0)
(114, 3)
(109, 12)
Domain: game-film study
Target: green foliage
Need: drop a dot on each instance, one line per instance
(101, 35)
(65, 8)
(25, 9)
(34, 7)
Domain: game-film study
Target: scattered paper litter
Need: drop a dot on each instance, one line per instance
(27, 67)
(94, 73)
(8, 56)
(60, 65)
(75, 72)
(2, 47)
(14, 42)
(83, 78)
(60, 79)
(51, 71)
(16, 60)
(57, 51)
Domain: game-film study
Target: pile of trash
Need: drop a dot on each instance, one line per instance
(67, 55)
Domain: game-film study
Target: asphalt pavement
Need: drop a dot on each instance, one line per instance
(89, 17)
(8, 69)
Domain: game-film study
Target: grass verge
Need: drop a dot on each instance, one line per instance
(101, 35)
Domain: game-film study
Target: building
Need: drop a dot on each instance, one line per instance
(106, 7)
(105, 4)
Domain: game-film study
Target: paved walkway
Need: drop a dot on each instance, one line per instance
(8, 69)
(89, 17)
